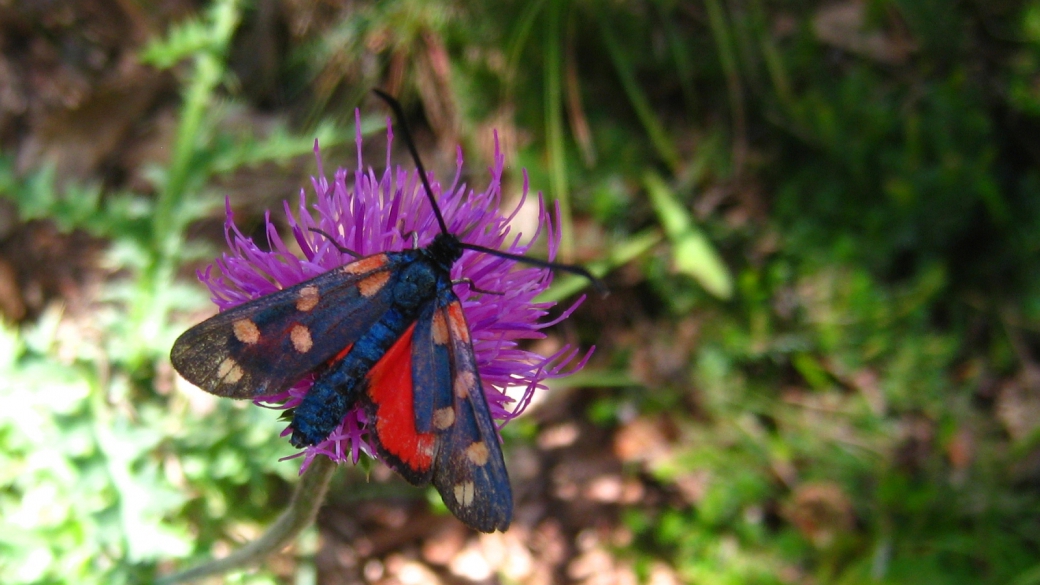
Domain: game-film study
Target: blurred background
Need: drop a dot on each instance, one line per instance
(820, 223)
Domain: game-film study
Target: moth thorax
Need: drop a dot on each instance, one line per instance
(416, 283)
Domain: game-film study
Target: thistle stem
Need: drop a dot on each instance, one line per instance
(308, 497)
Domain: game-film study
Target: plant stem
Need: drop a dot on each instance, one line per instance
(309, 495)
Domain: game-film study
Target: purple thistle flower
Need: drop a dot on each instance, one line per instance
(379, 215)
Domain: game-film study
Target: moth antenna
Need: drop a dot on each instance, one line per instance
(407, 135)
(572, 268)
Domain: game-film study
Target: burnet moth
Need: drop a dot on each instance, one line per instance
(386, 332)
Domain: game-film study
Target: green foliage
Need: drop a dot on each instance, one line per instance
(106, 477)
(693, 253)
(851, 233)
(895, 198)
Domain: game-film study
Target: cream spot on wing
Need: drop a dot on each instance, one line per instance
(428, 447)
(308, 298)
(464, 493)
(464, 383)
(246, 331)
(457, 322)
(439, 328)
(229, 371)
(301, 338)
(444, 417)
(477, 453)
(370, 285)
(365, 265)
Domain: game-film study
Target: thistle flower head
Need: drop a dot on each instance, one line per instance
(380, 213)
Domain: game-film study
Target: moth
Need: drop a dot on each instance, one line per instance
(386, 332)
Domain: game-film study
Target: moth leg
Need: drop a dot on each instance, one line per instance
(414, 236)
(473, 287)
(335, 244)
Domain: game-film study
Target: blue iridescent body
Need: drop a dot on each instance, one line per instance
(416, 276)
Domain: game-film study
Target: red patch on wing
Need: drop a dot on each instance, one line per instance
(457, 322)
(342, 354)
(390, 390)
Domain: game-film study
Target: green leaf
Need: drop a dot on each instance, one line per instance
(692, 253)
